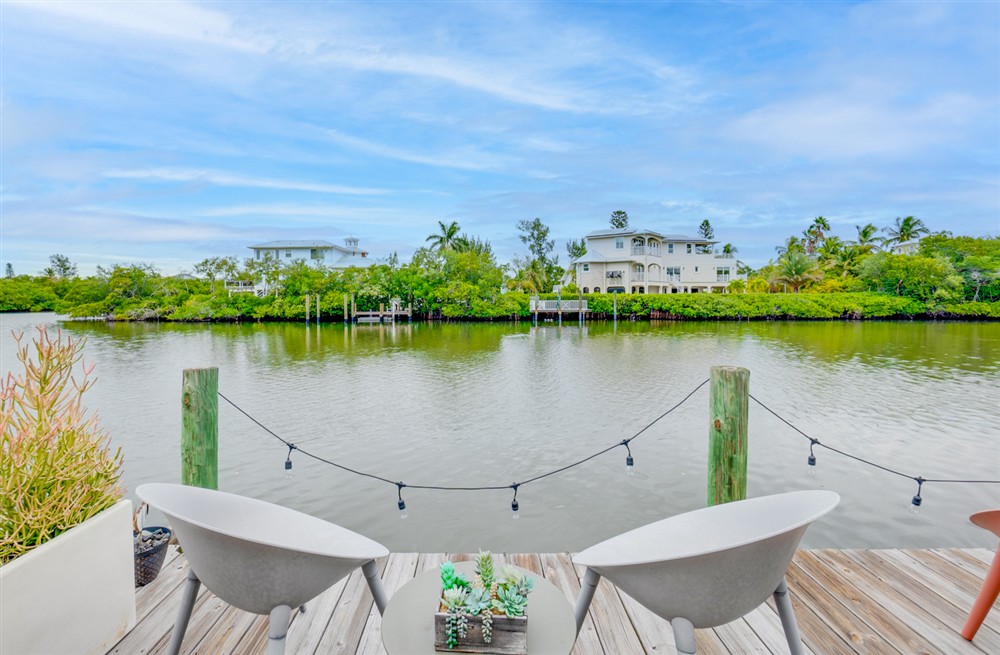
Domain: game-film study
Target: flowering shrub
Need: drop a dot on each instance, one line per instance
(56, 466)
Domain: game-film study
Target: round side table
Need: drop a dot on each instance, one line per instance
(408, 622)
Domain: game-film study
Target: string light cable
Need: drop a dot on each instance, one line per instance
(434, 487)
(917, 499)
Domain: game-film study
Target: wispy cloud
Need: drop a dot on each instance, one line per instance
(179, 127)
(175, 20)
(93, 225)
(469, 158)
(854, 124)
(227, 179)
(320, 214)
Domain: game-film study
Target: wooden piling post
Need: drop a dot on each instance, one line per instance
(729, 400)
(347, 317)
(200, 427)
(317, 309)
(307, 309)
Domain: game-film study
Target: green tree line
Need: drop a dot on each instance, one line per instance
(457, 276)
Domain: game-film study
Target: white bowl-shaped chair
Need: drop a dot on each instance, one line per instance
(259, 557)
(710, 566)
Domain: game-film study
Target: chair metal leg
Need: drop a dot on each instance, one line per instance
(370, 569)
(787, 614)
(587, 588)
(277, 628)
(184, 614)
(683, 635)
(984, 601)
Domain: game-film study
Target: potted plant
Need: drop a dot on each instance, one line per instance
(66, 571)
(150, 547)
(485, 615)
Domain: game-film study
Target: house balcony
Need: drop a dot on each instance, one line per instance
(645, 250)
(662, 279)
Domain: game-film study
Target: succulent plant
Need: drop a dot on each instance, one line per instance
(456, 626)
(455, 602)
(455, 599)
(487, 617)
(515, 581)
(451, 579)
(477, 600)
(484, 569)
(510, 602)
(57, 466)
(460, 600)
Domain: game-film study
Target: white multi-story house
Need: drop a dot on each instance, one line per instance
(316, 252)
(643, 261)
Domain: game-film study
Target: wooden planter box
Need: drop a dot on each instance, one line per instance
(510, 635)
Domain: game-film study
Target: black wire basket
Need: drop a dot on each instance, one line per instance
(149, 561)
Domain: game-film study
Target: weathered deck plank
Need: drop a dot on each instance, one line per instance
(908, 614)
(895, 602)
(827, 624)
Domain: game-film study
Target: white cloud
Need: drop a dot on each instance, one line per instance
(301, 213)
(853, 123)
(469, 158)
(169, 20)
(91, 225)
(535, 79)
(517, 88)
(227, 179)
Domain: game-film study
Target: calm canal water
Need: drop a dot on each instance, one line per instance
(482, 404)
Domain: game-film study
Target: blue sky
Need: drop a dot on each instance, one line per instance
(168, 132)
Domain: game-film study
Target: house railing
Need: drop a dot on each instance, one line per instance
(556, 305)
(242, 286)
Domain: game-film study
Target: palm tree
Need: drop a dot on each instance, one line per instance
(792, 244)
(905, 229)
(447, 238)
(821, 226)
(729, 250)
(815, 234)
(847, 260)
(530, 276)
(828, 250)
(797, 269)
(475, 245)
(867, 237)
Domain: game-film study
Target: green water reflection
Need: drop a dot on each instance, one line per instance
(470, 404)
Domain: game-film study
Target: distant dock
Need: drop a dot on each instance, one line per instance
(557, 308)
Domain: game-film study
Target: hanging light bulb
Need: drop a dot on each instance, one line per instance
(288, 462)
(401, 504)
(811, 461)
(514, 506)
(629, 460)
(917, 501)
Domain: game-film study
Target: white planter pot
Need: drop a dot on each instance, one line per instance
(74, 594)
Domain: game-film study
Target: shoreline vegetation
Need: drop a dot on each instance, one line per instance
(458, 278)
(514, 306)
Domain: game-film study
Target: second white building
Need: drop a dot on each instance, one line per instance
(643, 261)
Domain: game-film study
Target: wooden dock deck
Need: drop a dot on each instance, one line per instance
(897, 602)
